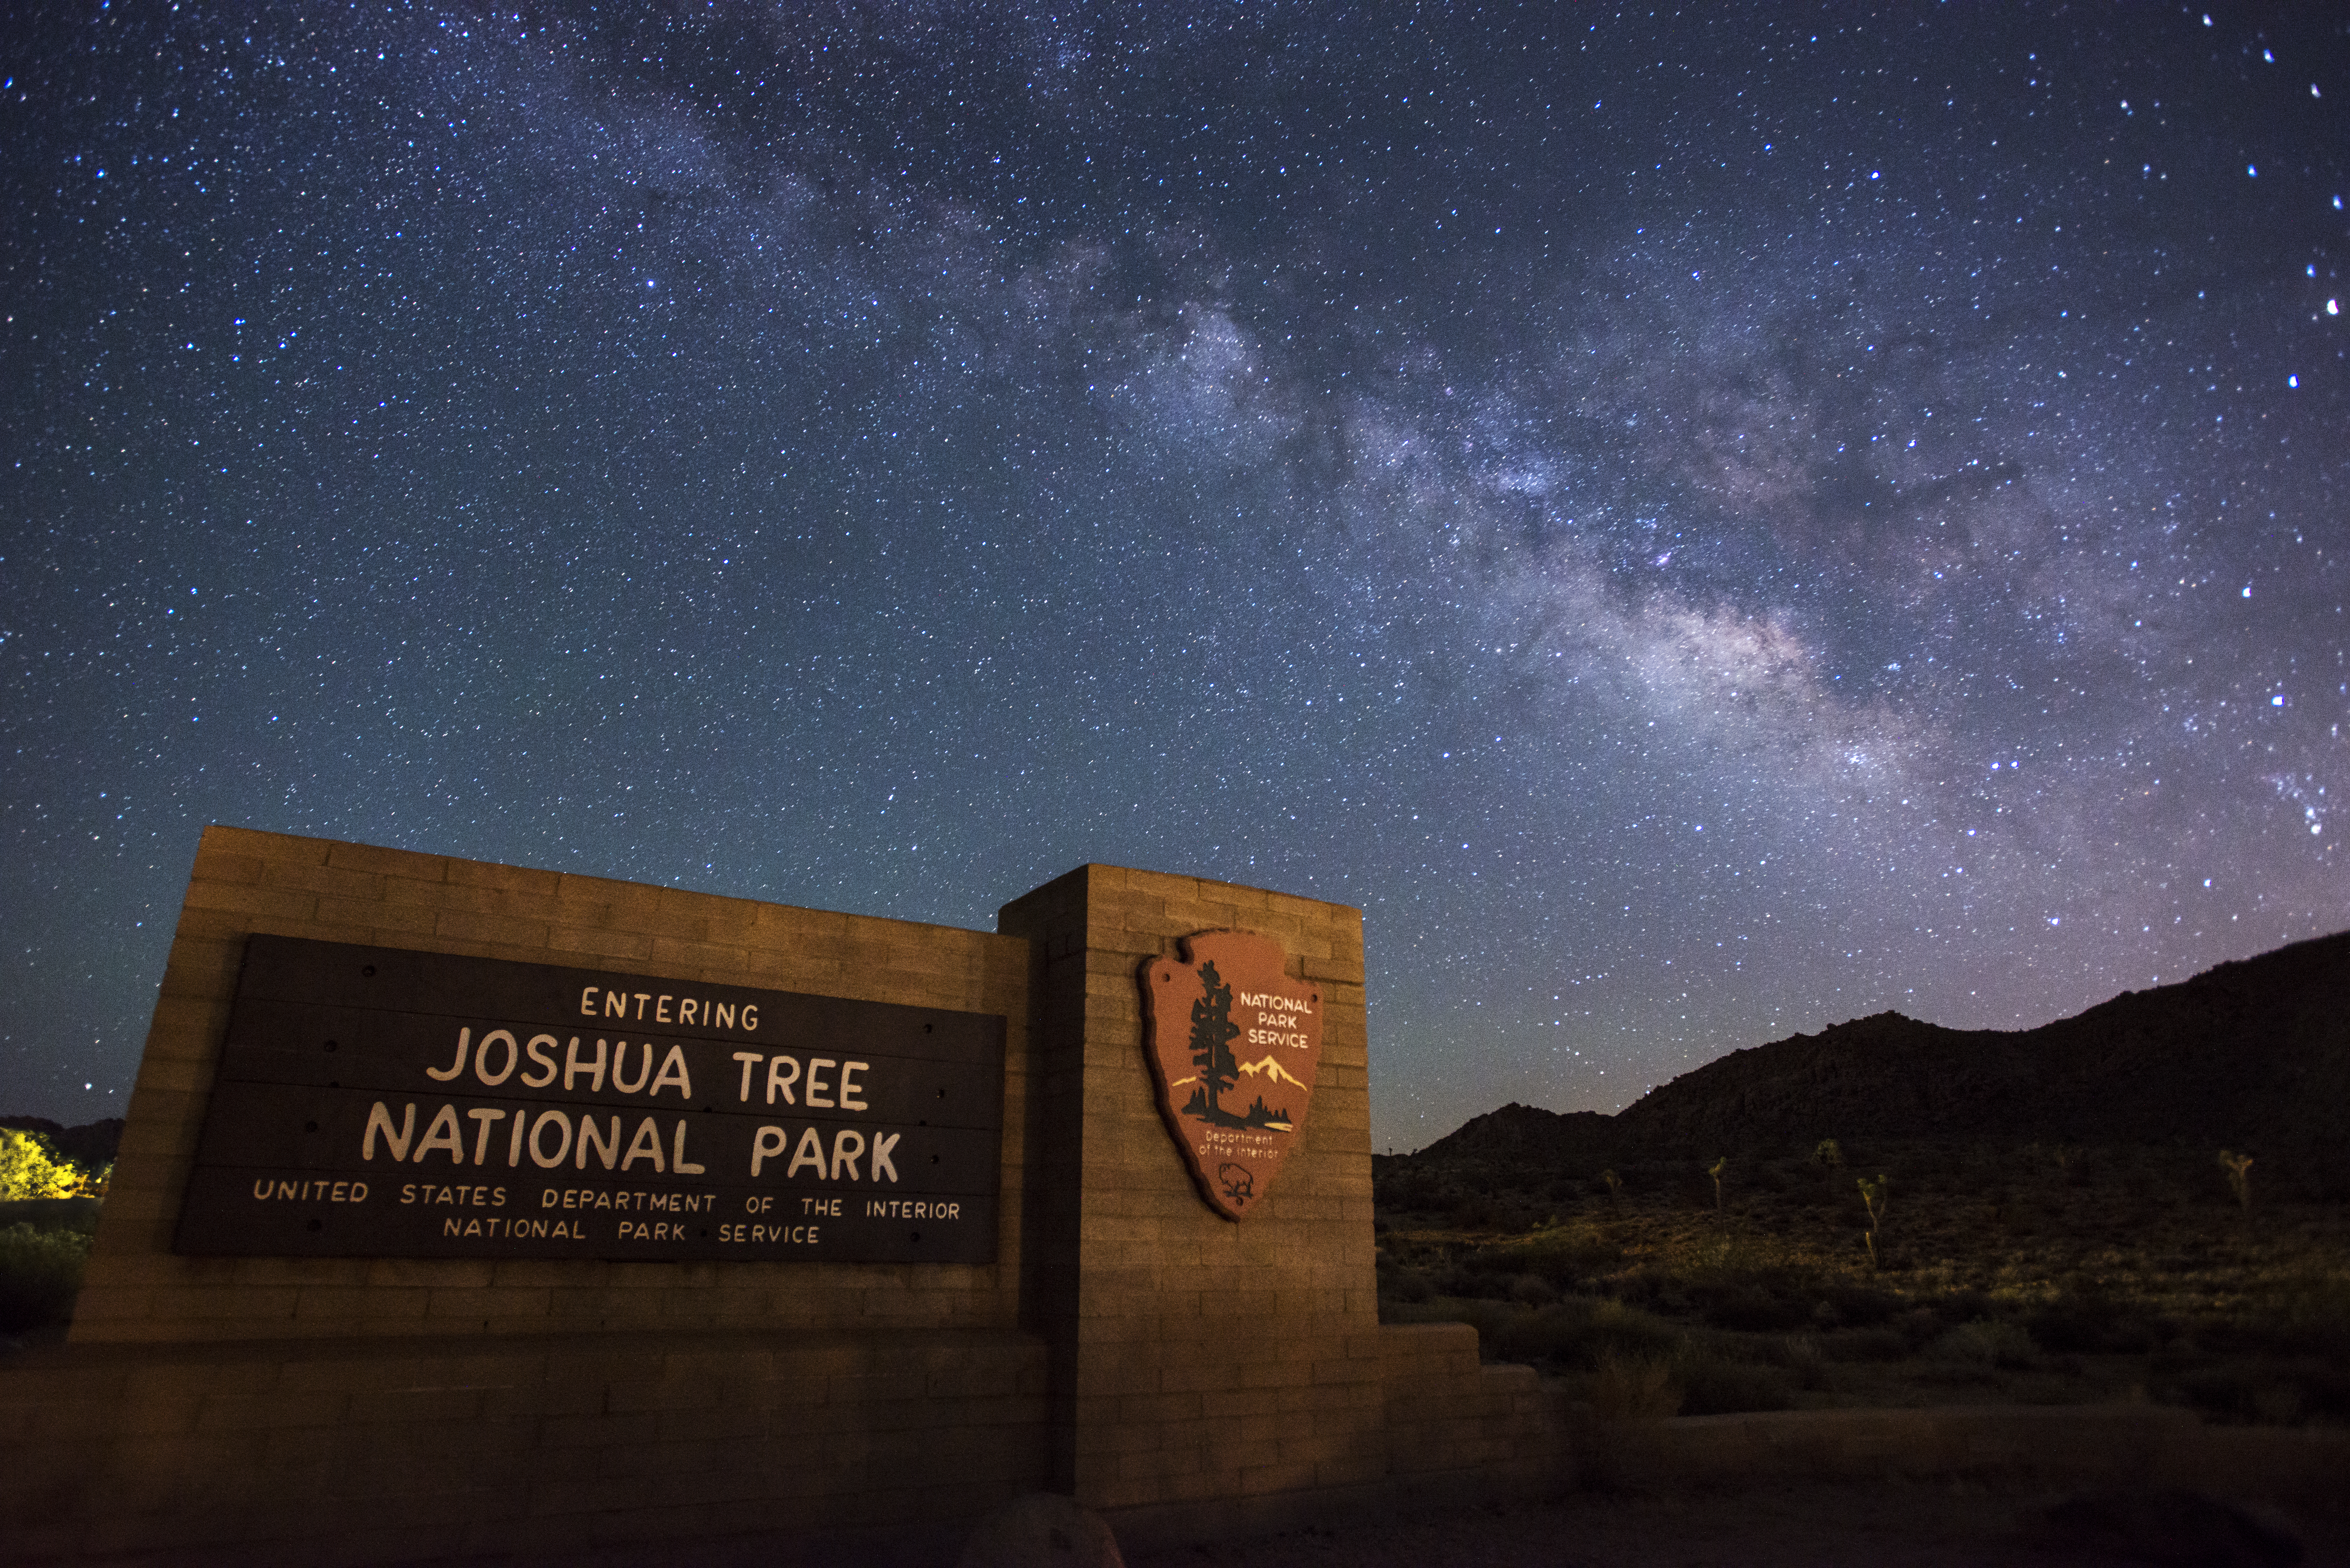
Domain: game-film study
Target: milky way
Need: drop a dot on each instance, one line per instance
(1700, 526)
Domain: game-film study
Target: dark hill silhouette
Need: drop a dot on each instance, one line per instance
(2254, 1054)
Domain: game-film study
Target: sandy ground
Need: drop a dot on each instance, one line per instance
(1893, 1524)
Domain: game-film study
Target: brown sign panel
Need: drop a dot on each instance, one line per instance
(376, 1101)
(1232, 1044)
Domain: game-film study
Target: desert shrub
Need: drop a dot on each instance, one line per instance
(1408, 1285)
(1475, 1212)
(76, 1214)
(1654, 1288)
(1714, 1384)
(1532, 1290)
(1499, 1260)
(2090, 1324)
(1803, 1357)
(1399, 1281)
(1965, 1305)
(2306, 1317)
(1866, 1345)
(1634, 1387)
(1919, 1325)
(1985, 1344)
(1859, 1306)
(1751, 1305)
(1615, 1327)
(1577, 1332)
(1470, 1282)
(1563, 1257)
(1557, 1333)
(40, 1275)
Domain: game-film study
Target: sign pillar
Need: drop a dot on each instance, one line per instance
(1200, 1361)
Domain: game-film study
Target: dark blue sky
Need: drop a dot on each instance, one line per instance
(1702, 524)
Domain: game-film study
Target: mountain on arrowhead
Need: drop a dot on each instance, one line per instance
(1281, 1074)
(2254, 1054)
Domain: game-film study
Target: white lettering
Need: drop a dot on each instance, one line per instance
(620, 1055)
(766, 1144)
(660, 1011)
(848, 1148)
(573, 1066)
(798, 1235)
(882, 1144)
(809, 1152)
(606, 1150)
(481, 1057)
(588, 1003)
(911, 1208)
(782, 1072)
(464, 1041)
(816, 1085)
(436, 1138)
(380, 1119)
(750, 1060)
(539, 1157)
(677, 1154)
(482, 1138)
(750, 1016)
(849, 1085)
(539, 1058)
(726, 1015)
(646, 1144)
(673, 1073)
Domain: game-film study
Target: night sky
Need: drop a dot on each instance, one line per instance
(1702, 524)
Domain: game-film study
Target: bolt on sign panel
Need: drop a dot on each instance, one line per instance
(376, 1101)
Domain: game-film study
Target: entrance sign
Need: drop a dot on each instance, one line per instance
(376, 1101)
(1232, 1044)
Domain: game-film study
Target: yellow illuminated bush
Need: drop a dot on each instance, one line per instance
(29, 1170)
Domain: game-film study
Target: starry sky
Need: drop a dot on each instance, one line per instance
(1701, 522)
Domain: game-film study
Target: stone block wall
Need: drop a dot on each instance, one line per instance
(1455, 1425)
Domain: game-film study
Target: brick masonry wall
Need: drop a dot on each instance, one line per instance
(243, 882)
(1447, 1417)
(1196, 1358)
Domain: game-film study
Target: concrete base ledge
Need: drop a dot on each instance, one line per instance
(389, 1451)
(2078, 1444)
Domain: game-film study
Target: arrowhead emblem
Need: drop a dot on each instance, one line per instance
(1232, 1044)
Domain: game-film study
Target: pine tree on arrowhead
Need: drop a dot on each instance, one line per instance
(1212, 1033)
